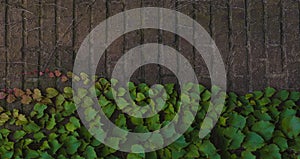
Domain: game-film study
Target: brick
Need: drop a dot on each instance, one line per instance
(239, 38)
(65, 33)
(255, 18)
(14, 50)
(239, 84)
(258, 75)
(294, 76)
(98, 15)
(275, 60)
(291, 43)
(2, 47)
(278, 82)
(31, 43)
(168, 38)
(116, 49)
(203, 17)
(48, 52)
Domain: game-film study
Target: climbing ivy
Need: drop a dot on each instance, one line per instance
(262, 124)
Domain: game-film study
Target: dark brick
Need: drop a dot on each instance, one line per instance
(258, 75)
(98, 15)
(31, 43)
(65, 33)
(116, 49)
(48, 39)
(256, 29)
(14, 50)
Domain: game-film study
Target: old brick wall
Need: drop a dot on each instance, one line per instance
(259, 40)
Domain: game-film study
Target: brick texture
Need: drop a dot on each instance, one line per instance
(259, 40)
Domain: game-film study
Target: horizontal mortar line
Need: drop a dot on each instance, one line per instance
(272, 75)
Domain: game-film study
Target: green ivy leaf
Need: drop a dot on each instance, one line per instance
(137, 121)
(73, 124)
(51, 123)
(81, 92)
(270, 152)
(192, 152)
(90, 113)
(39, 136)
(32, 154)
(90, 153)
(69, 108)
(295, 96)
(31, 127)
(237, 121)
(282, 95)
(51, 92)
(253, 141)
(72, 144)
(269, 91)
(291, 126)
(248, 155)
(19, 134)
(55, 145)
(60, 99)
(109, 110)
(39, 109)
(207, 148)
(103, 101)
(205, 96)
(140, 97)
(156, 140)
(281, 143)
(264, 128)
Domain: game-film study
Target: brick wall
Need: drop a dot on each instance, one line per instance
(259, 40)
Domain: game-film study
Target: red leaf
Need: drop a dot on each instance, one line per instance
(18, 92)
(2, 95)
(57, 73)
(64, 78)
(51, 75)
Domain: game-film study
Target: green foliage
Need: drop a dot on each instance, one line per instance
(261, 124)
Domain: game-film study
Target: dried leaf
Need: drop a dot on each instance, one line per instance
(26, 99)
(10, 98)
(28, 92)
(18, 92)
(37, 95)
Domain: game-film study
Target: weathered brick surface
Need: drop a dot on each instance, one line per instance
(31, 46)
(116, 49)
(256, 45)
(14, 43)
(202, 11)
(2, 45)
(238, 46)
(48, 39)
(168, 38)
(258, 40)
(65, 22)
(98, 15)
(291, 44)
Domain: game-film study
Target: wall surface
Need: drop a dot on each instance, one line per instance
(259, 40)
